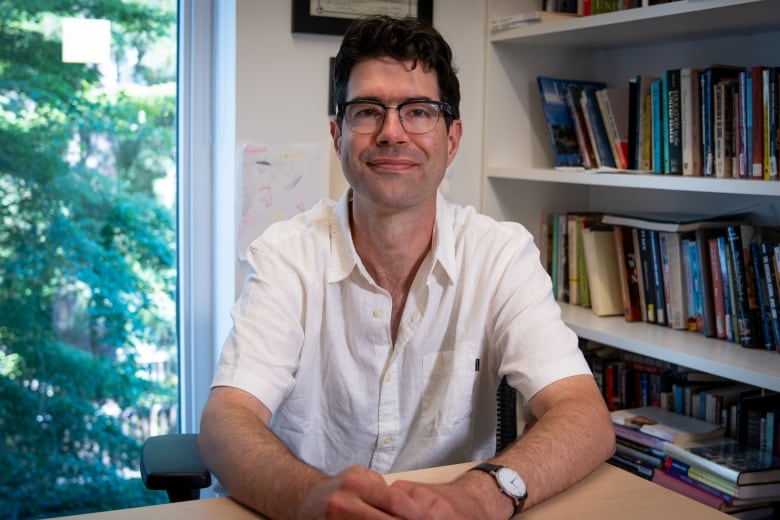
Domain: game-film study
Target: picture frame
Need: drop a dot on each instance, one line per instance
(304, 22)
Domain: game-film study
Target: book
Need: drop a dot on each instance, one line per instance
(627, 273)
(757, 115)
(657, 277)
(597, 129)
(771, 290)
(725, 493)
(718, 301)
(613, 103)
(603, 276)
(644, 129)
(673, 127)
(573, 96)
(504, 23)
(710, 77)
(690, 117)
(744, 320)
(672, 427)
(675, 294)
(560, 124)
(657, 118)
(731, 460)
(668, 221)
(648, 281)
(764, 335)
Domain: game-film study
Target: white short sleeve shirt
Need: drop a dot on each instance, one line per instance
(311, 340)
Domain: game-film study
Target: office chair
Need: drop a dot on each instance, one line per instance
(172, 462)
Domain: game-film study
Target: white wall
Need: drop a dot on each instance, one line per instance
(282, 82)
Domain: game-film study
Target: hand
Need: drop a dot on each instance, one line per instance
(358, 492)
(441, 501)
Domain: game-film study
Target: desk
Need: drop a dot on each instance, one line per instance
(609, 493)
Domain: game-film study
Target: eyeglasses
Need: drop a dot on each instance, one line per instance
(417, 117)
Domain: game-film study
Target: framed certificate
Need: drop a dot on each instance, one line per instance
(334, 16)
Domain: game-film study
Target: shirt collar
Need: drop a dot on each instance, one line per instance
(344, 257)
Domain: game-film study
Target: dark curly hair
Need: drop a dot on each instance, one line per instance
(404, 39)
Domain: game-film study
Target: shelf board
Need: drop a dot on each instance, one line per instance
(690, 349)
(641, 181)
(674, 21)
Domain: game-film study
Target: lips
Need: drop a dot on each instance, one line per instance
(391, 163)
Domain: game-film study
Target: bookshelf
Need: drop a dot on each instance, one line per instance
(519, 182)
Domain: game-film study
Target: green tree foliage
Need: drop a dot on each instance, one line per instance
(87, 254)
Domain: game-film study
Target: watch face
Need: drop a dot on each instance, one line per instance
(511, 482)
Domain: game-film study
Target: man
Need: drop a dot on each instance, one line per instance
(372, 332)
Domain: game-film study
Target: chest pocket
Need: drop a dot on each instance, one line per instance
(449, 379)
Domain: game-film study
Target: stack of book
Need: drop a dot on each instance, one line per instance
(693, 458)
(726, 474)
(712, 274)
(718, 121)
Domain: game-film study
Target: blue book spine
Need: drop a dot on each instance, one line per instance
(658, 119)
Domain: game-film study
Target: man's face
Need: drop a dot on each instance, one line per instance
(392, 169)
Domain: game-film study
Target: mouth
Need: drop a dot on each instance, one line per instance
(392, 164)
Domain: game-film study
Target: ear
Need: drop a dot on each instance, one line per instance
(453, 139)
(335, 134)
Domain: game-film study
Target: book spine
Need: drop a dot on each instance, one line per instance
(773, 134)
(690, 115)
(597, 128)
(697, 293)
(673, 122)
(708, 311)
(572, 260)
(580, 128)
(700, 478)
(629, 276)
(743, 149)
(726, 292)
(681, 454)
(647, 275)
(658, 126)
(770, 280)
(690, 300)
(717, 288)
(656, 263)
(757, 109)
(764, 336)
(677, 307)
(734, 237)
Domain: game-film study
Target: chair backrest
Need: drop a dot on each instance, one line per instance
(506, 421)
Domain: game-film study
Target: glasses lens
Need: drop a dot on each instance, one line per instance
(365, 118)
(419, 117)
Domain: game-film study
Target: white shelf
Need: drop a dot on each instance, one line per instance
(689, 349)
(674, 21)
(641, 180)
(520, 184)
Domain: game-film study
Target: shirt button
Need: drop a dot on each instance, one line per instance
(377, 314)
(388, 440)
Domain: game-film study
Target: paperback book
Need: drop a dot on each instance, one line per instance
(560, 123)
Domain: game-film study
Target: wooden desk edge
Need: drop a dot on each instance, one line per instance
(608, 493)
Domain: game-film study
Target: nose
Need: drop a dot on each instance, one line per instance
(392, 131)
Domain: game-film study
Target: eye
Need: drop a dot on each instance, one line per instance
(365, 111)
(419, 111)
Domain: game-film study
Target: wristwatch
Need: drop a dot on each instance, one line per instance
(509, 482)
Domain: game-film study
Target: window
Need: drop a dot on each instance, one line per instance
(89, 257)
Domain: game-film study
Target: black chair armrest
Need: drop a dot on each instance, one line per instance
(172, 463)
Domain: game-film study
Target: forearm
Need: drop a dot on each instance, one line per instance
(569, 441)
(247, 458)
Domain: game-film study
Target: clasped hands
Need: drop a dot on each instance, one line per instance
(358, 492)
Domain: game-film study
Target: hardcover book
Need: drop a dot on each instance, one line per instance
(733, 461)
(602, 267)
(670, 426)
(560, 123)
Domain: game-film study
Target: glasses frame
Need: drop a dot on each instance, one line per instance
(444, 109)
